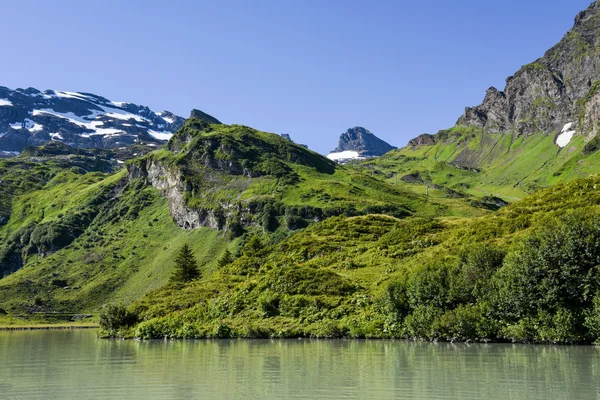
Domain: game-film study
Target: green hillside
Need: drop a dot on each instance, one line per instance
(475, 162)
(81, 233)
(526, 273)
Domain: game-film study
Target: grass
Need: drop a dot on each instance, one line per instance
(500, 164)
(87, 239)
(330, 280)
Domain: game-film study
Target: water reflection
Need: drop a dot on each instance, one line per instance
(75, 365)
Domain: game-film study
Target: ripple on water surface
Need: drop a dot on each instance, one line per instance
(75, 365)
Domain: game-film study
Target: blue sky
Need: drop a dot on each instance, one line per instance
(310, 68)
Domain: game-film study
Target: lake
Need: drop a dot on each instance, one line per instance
(75, 365)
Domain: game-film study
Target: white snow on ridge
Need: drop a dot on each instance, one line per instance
(565, 136)
(123, 115)
(72, 95)
(28, 124)
(5, 103)
(344, 155)
(169, 120)
(77, 120)
(160, 135)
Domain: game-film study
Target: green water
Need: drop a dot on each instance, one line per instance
(76, 365)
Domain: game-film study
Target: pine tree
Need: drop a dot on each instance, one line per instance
(225, 259)
(186, 267)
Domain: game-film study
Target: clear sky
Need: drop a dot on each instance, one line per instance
(310, 68)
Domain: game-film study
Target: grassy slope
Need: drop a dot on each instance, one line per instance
(284, 173)
(331, 280)
(127, 248)
(510, 168)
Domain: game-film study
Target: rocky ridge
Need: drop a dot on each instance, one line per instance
(559, 88)
(29, 117)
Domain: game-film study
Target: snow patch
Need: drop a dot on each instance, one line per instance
(167, 119)
(73, 95)
(80, 121)
(160, 135)
(28, 124)
(5, 103)
(123, 115)
(344, 155)
(565, 135)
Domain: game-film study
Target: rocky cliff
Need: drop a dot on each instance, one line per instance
(558, 89)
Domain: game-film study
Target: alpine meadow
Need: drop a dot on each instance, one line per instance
(158, 227)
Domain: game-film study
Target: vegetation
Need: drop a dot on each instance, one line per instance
(186, 266)
(478, 163)
(527, 273)
(305, 248)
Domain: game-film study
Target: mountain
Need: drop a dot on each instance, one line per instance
(76, 218)
(411, 244)
(359, 143)
(540, 130)
(82, 120)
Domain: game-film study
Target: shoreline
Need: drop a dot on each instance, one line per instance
(48, 327)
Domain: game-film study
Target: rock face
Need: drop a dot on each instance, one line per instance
(202, 116)
(359, 143)
(29, 117)
(557, 89)
(287, 137)
(171, 183)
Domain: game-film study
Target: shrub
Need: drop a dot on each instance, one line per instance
(269, 304)
(592, 318)
(556, 268)
(423, 322)
(115, 317)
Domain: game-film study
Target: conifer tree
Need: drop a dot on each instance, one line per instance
(186, 267)
(225, 259)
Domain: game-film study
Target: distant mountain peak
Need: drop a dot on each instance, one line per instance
(30, 117)
(359, 143)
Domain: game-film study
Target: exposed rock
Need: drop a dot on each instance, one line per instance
(204, 117)
(552, 91)
(359, 143)
(423, 140)
(170, 182)
(364, 142)
(492, 203)
(29, 117)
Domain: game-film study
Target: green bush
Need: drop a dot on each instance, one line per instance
(423, 322)
(269, 304)
(592, 319)
(115, 317)
(556, 268)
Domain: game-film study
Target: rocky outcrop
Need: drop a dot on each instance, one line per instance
(423, 140)
(171, 183)
(550, 92)
(202, 116)
(364, 142)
